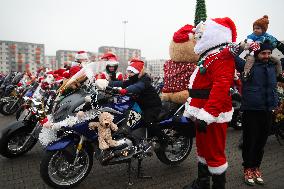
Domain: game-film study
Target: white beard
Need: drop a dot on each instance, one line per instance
(201, 46)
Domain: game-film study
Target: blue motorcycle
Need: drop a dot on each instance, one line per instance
(68, 159)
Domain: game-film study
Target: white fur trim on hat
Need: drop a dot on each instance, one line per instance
(81, 56)
(112, 63)
(134, 70)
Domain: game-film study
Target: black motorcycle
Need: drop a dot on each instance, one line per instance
(20, 136)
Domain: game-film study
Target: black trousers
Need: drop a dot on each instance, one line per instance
(256, 128)
(151, 114)
(150, 118)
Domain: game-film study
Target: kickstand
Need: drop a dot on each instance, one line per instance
(140, 171)
(278, 139)
(129, 174)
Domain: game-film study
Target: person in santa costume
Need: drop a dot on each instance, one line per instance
(81, 57)
(69, 70)
(209, 104)
(110, 72)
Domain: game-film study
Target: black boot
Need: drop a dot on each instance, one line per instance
(219, 181)
(203, 180)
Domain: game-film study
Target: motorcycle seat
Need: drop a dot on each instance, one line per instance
(168, 109)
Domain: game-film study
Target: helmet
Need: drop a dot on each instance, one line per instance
(111, 61)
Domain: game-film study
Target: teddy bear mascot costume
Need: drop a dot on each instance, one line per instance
(179, 68)
(209, 104)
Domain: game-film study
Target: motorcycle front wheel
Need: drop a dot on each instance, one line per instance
(59, 169)
(16, 145)
(177, 149)
(6, 108)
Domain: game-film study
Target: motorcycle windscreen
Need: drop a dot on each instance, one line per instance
(89, 70)
(17, 78)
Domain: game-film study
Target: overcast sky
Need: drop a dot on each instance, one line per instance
(88, 24)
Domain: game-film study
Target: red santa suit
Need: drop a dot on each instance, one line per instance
(209, 88)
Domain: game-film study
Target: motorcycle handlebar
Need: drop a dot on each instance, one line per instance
(115, 91)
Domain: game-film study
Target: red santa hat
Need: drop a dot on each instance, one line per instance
(110, 59)
(222, 29)
(227, 26)
(136, 66)
(81, 55)
(214, 32)
(183, 34)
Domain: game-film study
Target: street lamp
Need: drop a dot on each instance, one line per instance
(124, 54)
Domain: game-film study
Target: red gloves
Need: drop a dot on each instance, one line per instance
(254, 46)
(123, 91)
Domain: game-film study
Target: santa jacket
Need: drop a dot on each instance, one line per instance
(217, 106)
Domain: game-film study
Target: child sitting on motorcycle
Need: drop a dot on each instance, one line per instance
(139, 83)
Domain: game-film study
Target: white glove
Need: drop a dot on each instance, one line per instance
(101, 84)
(88, 99)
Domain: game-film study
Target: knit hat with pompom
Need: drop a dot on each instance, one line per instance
(262, 22)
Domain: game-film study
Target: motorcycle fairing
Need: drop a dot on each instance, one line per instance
(59, 144)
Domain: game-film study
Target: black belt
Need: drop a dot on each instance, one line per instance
(199, 93)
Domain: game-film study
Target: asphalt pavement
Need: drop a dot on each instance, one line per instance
(23, 172)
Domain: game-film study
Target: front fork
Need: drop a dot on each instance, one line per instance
(79, 148)
(31, 135)
(15, 103)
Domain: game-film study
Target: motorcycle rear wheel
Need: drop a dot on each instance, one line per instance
(12, 146)
(5, 108)
(176, 151)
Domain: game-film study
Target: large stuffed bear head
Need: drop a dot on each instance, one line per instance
(179, 68)
(182, 45)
